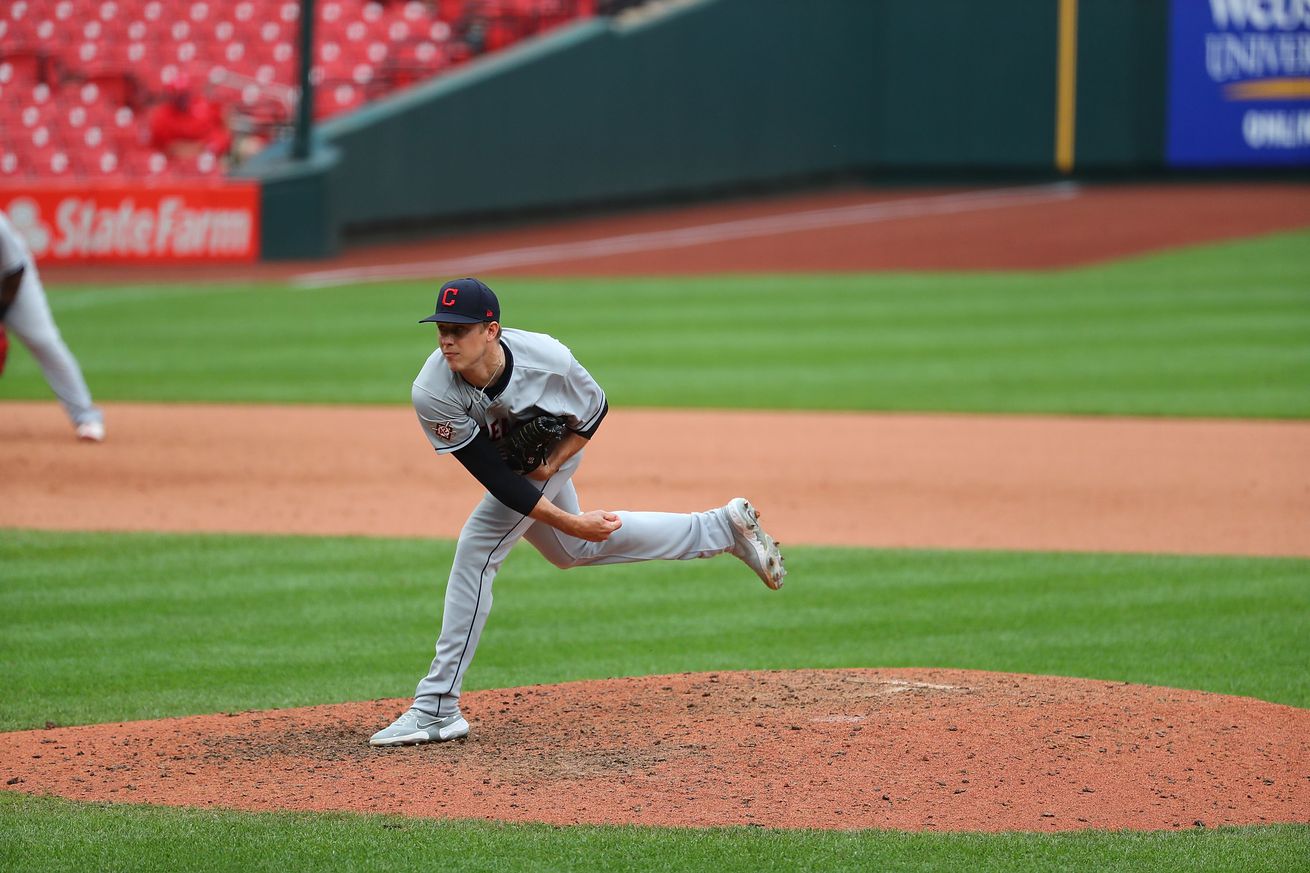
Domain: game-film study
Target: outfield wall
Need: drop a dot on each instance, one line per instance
(722, 95)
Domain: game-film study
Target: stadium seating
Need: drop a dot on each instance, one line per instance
(78, 77)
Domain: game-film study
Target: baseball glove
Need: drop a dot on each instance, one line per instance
(528, 445)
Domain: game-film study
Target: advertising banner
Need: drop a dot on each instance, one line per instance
(1239, 83)
(139, 224)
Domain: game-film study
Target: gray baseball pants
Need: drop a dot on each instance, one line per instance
(29, 320)
(493, 529)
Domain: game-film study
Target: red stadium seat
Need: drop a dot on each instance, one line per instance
(398, 30)
(56, 163)
(147, 164)
(34, 116)
(75, 118)
(203, 165)
(115, 86)
(11, 166)
(499, 35)
(223, 30)
(414, 11)
(234, 55)
(22, 65)
(94, 139)
(103, 163)
(376, 53)
(415, 62)
(48, 34)
(332, 14)
(199, 12)
(41, 138)
(354, 33)
(67, 65)
(335, 98)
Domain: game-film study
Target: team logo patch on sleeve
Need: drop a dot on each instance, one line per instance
(444, 431)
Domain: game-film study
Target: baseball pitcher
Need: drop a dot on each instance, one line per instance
(517, 410)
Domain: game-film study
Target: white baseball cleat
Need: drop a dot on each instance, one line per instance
(756, 548)
(91, 432)
(416, 726)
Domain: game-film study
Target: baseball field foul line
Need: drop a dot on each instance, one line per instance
(704, 234)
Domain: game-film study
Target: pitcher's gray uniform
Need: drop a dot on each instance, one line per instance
(28, 318)
(546, 378)
(542, 377)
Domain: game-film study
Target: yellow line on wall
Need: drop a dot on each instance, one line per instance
(1066, 86)
(1286, 88)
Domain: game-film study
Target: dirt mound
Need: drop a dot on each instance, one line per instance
(909, 749)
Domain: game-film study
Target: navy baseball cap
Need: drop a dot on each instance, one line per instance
(465, 301)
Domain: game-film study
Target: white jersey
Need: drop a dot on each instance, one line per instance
(544, 378)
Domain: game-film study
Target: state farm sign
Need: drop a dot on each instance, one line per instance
(137, 224)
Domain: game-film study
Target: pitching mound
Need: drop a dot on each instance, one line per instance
(906, 749)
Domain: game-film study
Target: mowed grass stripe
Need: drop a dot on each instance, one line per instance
(105, 627)
(49, 834)
(1212, 331)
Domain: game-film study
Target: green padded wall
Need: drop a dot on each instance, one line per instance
(723, 95)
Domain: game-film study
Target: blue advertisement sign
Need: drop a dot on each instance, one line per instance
(1239, 83)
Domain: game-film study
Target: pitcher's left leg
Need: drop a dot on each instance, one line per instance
(670, 536)
(643, 536)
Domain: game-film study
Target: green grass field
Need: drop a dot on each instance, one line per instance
(103, 627)
(1222, 331)
(145, 840)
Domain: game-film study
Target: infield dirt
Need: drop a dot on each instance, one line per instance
(947, 481)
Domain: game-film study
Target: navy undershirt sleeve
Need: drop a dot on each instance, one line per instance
(487, 466)
(595, 425)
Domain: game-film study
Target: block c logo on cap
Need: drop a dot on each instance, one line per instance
(448, 296)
